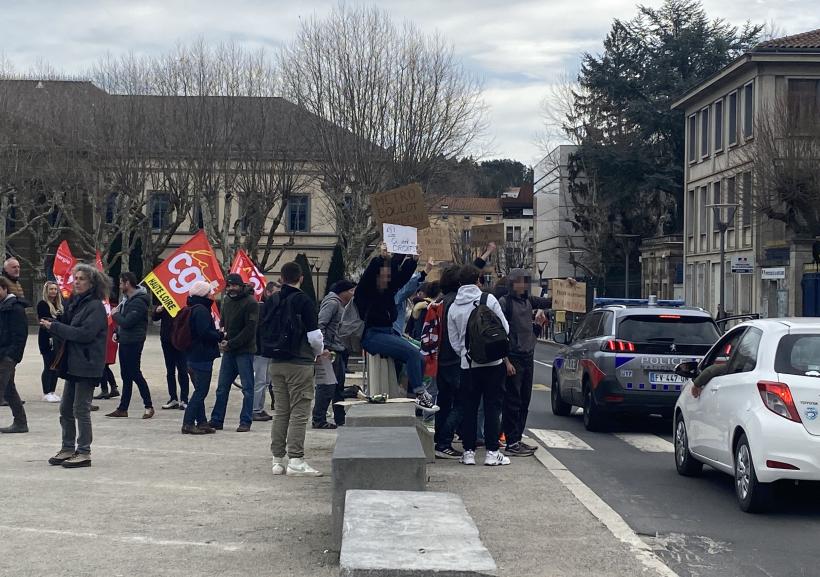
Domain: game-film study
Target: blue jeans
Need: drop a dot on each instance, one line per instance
(233, 365)
(201, 379)
(383, 341)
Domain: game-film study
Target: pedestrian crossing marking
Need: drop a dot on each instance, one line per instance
(540, 387)
(647, 442)
(554, 439)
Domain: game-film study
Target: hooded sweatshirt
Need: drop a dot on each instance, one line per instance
(459, 314)
(518, 310)
(132, 317)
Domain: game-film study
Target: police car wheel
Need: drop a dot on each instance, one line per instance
(594, 419)
(559, 406)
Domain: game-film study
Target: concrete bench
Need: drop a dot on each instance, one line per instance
(374, 458)
(392, 415)
(403, 534)
(382, 378)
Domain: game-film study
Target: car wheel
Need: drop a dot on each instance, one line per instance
(559, 406)
(594, 419)
(686, 464)
(752, 495)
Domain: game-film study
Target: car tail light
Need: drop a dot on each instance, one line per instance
(778, 399)
(618, 346)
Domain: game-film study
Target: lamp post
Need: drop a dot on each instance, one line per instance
(626, 238)
(722, 226)
(541, 269)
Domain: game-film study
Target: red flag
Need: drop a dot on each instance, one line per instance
(98, 262)
(64, 263)
(244, 267)
(193, 261)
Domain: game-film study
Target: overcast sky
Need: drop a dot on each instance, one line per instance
(518, 47)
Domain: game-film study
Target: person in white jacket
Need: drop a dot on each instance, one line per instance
(478, 380)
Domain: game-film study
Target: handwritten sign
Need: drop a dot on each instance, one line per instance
(400, 239)
(569, 297)
(435, 243)
(484, 234)
(403, 205)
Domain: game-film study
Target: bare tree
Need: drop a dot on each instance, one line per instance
(389, 104)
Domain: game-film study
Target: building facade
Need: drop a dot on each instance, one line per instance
(519, 222)
(722, 115)
(458, 215)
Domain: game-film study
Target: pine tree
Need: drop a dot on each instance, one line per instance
(336, 272)
(307, 282)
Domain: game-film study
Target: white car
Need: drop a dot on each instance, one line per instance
(757, 417)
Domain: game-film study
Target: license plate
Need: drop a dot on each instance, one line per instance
(666, 378)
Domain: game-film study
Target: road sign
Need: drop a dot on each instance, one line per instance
(742, 265)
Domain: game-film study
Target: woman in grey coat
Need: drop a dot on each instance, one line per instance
(80, 360)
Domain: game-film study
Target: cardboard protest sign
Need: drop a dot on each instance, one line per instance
(244, 267)
(435, 243)
(569, 297)
(484, 234)
(400, 239)
(193, 261)
(403, 205)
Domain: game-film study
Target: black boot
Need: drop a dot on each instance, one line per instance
(16, 427)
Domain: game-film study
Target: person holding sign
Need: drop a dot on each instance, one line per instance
(375, 298)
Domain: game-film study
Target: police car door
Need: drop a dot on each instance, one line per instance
(580, 350)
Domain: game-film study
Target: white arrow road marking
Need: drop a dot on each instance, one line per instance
(560, 440)
(647, 442)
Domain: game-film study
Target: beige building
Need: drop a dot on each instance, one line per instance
(458, 214)
(721, 116)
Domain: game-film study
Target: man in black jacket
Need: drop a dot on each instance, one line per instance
(240, 316)
(518, 306)
(13, 335)
(131, 318)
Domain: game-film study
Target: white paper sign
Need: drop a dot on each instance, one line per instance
(324, 372)
(401, 239)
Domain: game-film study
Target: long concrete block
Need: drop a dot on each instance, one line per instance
(392, 415)
(375, 458)
(410, 534)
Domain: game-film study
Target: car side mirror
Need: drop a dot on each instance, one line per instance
(687, 370)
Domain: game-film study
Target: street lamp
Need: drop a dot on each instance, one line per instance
(626, 238)
(723, 226)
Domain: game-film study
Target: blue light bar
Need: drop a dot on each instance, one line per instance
(602, 302)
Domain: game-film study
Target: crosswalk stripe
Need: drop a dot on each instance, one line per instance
(554, 439)
(647, 442)
(540, 387)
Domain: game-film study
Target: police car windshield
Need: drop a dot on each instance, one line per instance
(682, 330)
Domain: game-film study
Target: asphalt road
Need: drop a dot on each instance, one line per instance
(694, 524)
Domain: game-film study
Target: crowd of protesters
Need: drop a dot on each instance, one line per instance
(466, 353)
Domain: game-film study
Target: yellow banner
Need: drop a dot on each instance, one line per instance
(162, 293)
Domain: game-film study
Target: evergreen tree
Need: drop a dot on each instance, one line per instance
(336, 271)
(307, 282)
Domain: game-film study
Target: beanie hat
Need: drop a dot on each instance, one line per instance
(342, 286)
(234, 278)
(200, 289)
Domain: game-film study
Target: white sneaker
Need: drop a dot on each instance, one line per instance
(279, 464)
(468, 458)
(171, 405)
(495, 458)
(52, 398)
(182, 405)
(300, 468)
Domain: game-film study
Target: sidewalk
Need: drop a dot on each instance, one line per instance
(156, 502)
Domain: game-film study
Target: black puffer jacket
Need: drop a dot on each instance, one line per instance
(83, 329)
(13, 328)
(204, 336)
(132, 318)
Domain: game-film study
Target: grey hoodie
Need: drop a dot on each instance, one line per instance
(330, 316)
(132, 317)
(466, 300)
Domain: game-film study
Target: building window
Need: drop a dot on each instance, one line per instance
(748, 110)
(445, 217)
(693, 138)
(729, 288)
(467, 217)
(731, 198)
(513, 234)
(716, 200)
(747, 199)
(110, 207)
(804, 104)
(690, 283)
(702, 211)
(704, 133)
(745, 297)
(701, 285)
(733, 119)
(718, 121)
(299, 213)
(690, 211)
(160, 211)
(488, 219)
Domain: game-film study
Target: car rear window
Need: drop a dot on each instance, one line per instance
(671, 328)
(798, 355)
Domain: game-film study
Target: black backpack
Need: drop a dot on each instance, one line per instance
(283, 332)
(486, 339)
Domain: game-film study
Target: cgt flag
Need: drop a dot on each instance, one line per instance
(193, 261)
(244, 267)
(64, 263)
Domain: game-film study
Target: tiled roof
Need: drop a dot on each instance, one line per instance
(803, 41)
(467, 205)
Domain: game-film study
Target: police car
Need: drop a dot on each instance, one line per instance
(622, 358)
